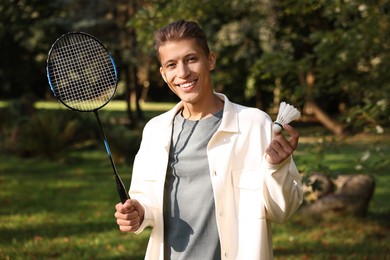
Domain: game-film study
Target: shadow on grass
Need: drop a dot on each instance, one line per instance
(52, 230)
(316, 250)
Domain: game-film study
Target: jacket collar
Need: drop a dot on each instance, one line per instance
(230, 117)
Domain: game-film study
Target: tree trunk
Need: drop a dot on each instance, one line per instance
(130, 116)
(311, 107)
(137, 90)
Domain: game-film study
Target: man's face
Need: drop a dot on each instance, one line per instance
(186, 69)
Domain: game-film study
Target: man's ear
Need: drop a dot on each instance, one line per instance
(163, 74)
(212, 60)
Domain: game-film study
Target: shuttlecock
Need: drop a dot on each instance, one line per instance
(286, 114)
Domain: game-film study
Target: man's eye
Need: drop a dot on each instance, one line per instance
(192, 59)
(170, 65)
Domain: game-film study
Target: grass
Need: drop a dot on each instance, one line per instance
(335, 237)
(114, 105)
(64, 209)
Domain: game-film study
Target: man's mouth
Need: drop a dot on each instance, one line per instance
(187, 85)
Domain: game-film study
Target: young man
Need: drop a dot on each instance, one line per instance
(209, 176)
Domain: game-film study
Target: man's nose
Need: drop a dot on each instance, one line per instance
(183, 70)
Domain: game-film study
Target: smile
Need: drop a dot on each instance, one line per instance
(187, 85)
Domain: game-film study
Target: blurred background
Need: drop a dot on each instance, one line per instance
(330, 58)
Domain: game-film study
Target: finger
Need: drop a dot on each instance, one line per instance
(119, 206)
(271, 152)
(291, 130)
(279, 149)
(126, 207)
(129, 225)
(128, 220)
(294, 135)
(128, 215)
(282, 145)
(126, 228)
(275, 153)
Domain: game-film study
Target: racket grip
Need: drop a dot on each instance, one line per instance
(123, 195)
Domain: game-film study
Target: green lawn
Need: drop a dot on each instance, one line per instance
(64, 209)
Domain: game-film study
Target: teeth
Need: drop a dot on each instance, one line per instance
(186, 85)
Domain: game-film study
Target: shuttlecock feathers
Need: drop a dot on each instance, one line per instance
(286, 114)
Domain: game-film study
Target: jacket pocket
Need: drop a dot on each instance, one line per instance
(248, 194)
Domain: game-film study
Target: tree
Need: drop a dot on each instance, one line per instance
(329, 58)
(25, 27)
(327, 55)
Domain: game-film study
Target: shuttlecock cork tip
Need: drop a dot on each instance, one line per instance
(286, 114)
(277, 128)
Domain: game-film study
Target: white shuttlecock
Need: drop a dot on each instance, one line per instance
(286, 114)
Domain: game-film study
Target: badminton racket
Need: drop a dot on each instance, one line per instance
(82, 76)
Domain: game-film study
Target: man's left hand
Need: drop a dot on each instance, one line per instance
(280, 147)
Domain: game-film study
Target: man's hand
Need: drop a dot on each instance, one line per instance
(129, 215)
(280, 147)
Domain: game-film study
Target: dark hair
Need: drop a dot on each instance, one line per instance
(180, 30)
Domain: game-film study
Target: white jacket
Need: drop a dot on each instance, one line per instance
(248, 191)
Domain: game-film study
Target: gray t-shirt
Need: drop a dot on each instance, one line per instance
(190, 228)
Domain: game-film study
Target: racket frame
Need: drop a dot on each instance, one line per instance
(49, 77)
(123, 195)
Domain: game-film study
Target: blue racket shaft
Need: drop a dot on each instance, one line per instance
(123, 195)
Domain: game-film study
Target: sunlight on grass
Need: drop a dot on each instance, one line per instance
(114, 105)
(65, 214)
(3, 103)
(49, 105)
(147, 106)
(18, 220)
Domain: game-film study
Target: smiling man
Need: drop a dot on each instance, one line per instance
(185, 67)
(209, 177)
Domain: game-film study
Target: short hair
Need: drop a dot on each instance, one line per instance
(180, 30)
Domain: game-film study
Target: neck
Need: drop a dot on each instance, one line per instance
(192, 112)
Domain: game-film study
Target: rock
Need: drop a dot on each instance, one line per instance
(323, 186)
(351, 196)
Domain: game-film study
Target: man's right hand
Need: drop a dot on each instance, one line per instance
(129, 215)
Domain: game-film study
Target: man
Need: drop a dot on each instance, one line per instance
(209, 176)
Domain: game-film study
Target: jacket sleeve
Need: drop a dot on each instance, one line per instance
(283, 192)
(149, 169)
(138, 186)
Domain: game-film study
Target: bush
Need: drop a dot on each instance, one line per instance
(11, 116)
(124, 143)
(45, 133)
(48, 134)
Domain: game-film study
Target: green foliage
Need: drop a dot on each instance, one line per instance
(11, 116)
(25, 27)
(49, 134)
(124, 143)
(344, 45)
(261, 45)
(369, 117)
(27, 132)
(46, 129)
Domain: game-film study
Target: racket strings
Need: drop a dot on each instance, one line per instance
(82, 73)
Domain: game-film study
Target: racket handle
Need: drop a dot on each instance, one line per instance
(123, 195)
